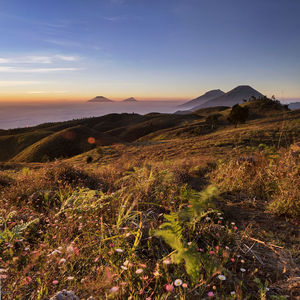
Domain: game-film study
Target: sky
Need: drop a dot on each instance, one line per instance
(148, 49)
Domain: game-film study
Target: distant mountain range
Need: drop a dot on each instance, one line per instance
(218, 98)
(294, 105)
(102, 99)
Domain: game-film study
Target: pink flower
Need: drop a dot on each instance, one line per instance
(55, 282)
(169, 287)
(184, 285)
(210, 294)
(28, 279)
(211, 252)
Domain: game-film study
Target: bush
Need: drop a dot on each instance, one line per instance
(238, 114)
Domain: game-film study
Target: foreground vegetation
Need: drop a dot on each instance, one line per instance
(209, 216)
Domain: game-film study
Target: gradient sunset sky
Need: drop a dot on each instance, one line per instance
(149, 49)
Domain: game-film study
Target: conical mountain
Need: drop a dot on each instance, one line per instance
(235, 96)
(202, 99)
(131, 99)
(100, 99)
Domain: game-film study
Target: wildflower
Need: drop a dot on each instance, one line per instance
(178, 282)
(210, 294)
(222, 277)
(114, 289)
(211, 252)
(28, 279)
(243, 270)
(55, 282)
(126, 262)
(167, 261)
(62, 261)
(184, 285)
(139, 271)
(232, 293)
(143, 266)
(119, 250)
(242, 261)
(70, 249)
(156, 274)
(124, 268)
(70, 277)
(54, 252)
(169, 287)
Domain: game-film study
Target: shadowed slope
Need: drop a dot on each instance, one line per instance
(65, 143)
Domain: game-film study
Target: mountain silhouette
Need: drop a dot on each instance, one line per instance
(100, 99)
(131, 99)
(235, 96)
(202, 99)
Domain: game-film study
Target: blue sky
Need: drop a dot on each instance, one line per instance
(147, 48)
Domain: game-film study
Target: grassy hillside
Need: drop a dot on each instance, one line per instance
(180, 210)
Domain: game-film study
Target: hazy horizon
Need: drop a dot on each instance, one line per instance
(14, 115)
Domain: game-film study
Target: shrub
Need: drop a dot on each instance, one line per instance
(238, 114)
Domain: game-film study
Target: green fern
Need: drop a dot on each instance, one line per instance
(171, 231)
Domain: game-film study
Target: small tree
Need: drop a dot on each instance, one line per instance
(212, 120)
(238, 114)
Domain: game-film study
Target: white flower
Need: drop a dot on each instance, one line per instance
(139, 271)
(62, 261)
(70, 277)
(124, 268)
(167, 261)
(267, 289)
(232, 293)
(114, 289)
(178, 282)
(156, 274)
(119, 250)
(222, 277)
(243, 270)
(126, 262)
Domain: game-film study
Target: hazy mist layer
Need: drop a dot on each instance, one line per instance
(13, 115)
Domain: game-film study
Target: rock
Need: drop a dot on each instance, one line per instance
(65, 295)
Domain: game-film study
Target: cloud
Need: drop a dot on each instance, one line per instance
(63, 43)
(38, 59)
(35, 70)
(10, 83)
(47, 92)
